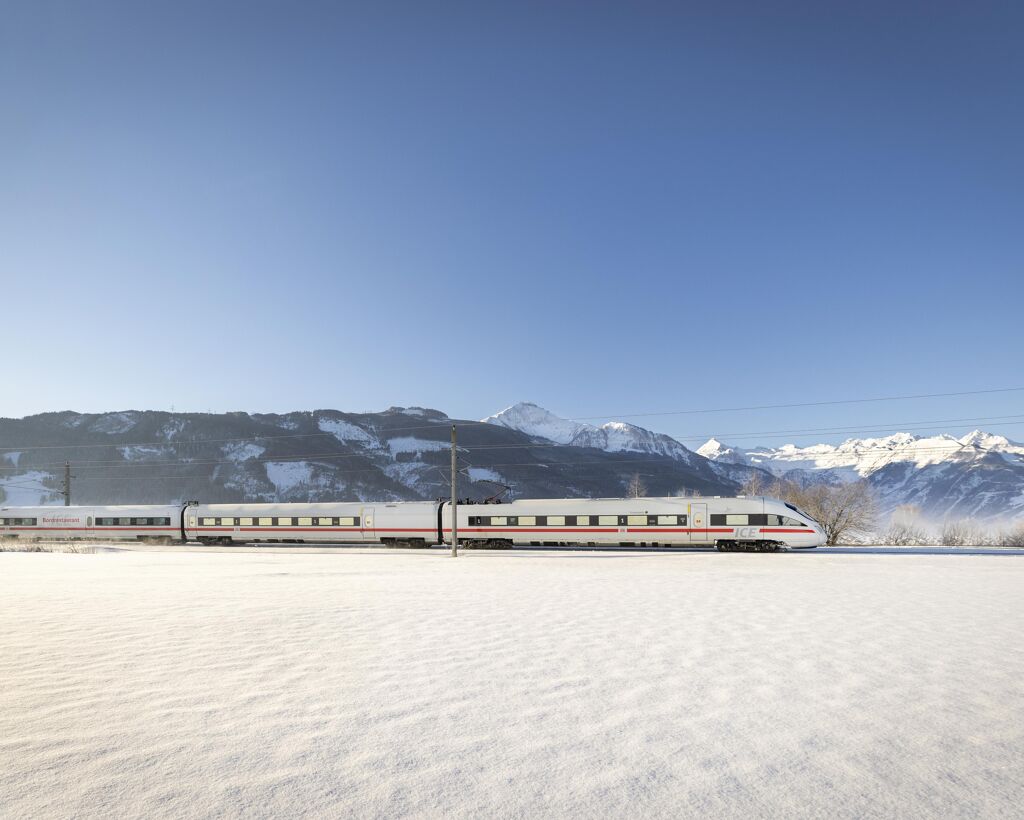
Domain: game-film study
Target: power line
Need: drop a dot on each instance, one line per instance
(612, 462)
(447, 421)
(105, 464)
(801, 404)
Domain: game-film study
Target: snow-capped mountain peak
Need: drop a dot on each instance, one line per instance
(613, 436)
(529, 418)
(862, 457)
(715, 450)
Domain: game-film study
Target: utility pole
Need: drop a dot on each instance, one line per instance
(455, 498)
(67, 483)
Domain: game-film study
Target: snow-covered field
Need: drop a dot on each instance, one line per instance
(376, 683)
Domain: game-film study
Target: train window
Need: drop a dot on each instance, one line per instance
(325, 522)
(305, 522)
(736, 520)
(773, 520)
(88, 521)
(667, 520)
(227, 522)
(266, 522)
(583, 521)
(607, 520)
(498, 520)
(244, 522)
(124, 522)
(758, 519)
(209, 522)
(798, 511)
(792, 522)
(347, 521)
(717, 520)
(556, 520)
(284, 522)
(636, 520)
(191, 520)
(527, 521)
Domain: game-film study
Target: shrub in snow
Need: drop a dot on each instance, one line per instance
(1012, 538)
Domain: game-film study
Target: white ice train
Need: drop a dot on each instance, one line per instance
(728, 524)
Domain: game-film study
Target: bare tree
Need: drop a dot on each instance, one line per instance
(755, 484)
(905, 534)
(1013, 538)
(905, 528)
(958, 534)
(843, 512)
(636, 487)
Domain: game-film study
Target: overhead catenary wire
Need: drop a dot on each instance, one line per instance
(149, 463)
(447, 421)
(544, 464)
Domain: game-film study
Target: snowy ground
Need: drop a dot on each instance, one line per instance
(377, 683)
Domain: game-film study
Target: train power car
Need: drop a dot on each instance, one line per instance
(727, 524)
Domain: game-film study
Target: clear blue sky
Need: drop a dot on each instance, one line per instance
(623, 207)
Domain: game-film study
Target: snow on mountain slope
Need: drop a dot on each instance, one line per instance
(714, 450)
(345, 431)
(859, 458)
(612, 437)
(979, 475)
(528, 418)
(25, 489)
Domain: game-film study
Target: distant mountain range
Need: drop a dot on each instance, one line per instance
(978, 476)
(403, 454)
(399, 454)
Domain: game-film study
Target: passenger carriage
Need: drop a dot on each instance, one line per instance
(146, 523)
(408, 523)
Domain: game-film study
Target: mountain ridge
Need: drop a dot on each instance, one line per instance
(977, 475)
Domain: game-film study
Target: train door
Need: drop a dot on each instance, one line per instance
(699, 524)
(366, 524)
